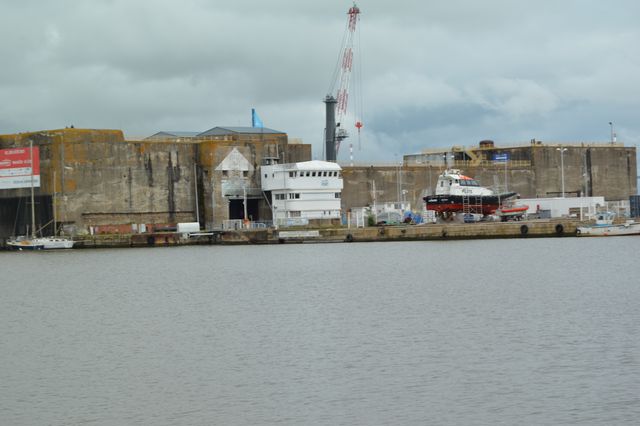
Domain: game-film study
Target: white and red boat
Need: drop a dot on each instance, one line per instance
(511, 212)
(456, 192)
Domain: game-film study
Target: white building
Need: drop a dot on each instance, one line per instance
(577, 207)
(302, 191)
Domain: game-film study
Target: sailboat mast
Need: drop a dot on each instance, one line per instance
(33, 206)
(55, 216)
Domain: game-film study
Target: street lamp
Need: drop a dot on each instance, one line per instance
(398, 184)
(562, 151)
(613, 135)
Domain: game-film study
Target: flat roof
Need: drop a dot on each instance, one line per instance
(218, 131)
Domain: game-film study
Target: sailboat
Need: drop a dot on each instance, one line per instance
(33, 242)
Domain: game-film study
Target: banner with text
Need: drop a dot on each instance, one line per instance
(15, 168)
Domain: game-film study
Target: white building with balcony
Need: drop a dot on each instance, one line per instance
(302, 191)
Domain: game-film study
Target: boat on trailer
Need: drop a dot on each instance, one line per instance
(511, 212)
(604, 226)
(456, 192)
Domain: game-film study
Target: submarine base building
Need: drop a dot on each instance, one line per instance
(96, 181)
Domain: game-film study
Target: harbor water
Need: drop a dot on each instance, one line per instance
(516, 331)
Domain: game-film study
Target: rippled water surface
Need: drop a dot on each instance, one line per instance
(536, 331)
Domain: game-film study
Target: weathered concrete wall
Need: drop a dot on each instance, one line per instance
(535, 171)
(411, 183)
(231, 169)
(101, 179)
(607, 171)
(298, 152)
(612, 172)
(391, 184)
(135, 183)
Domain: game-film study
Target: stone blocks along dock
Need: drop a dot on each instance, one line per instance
(425, 232)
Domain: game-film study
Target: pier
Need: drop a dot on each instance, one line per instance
(541, 228)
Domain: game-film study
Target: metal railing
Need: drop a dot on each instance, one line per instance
(461, 164)
(239, 224)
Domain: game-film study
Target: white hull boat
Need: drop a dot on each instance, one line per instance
(43, 243)
(33, 242)
(605, 227)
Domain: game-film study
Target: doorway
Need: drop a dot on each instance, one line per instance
(236, 209)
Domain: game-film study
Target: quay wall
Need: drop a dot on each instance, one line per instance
(430, 232)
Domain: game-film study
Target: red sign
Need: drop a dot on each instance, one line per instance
(15, 168)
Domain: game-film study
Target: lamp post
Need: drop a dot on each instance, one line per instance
(562, 151)
(613, 135)
(398, 184)
(506, 184)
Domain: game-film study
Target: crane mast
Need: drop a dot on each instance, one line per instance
(338, 98)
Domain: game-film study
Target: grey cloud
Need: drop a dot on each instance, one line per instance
(433, 73)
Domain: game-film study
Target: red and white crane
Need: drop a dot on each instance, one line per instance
(337, 100)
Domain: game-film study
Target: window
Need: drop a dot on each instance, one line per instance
(265, 175)
(313, 174)
(279, 196)
(245, 173)
(324, 174)
(225, 173)
(294, 195)
(292, 174)
(294, 214)
(337, 195)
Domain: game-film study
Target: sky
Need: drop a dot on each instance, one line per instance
(429, 74)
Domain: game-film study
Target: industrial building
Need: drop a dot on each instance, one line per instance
(534, 170)
(303, 192)
(540, 169)
(95, 181)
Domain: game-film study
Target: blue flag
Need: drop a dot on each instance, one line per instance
(255, 120)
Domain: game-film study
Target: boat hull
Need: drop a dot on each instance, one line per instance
(609, 230)
(45, 243)
(25, 245)
(488, 204)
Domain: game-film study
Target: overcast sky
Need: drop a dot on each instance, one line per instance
(433, 73)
